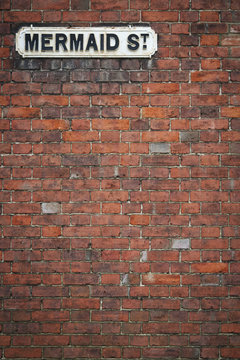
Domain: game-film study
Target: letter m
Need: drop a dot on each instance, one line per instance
(76, 44)
(30, 43)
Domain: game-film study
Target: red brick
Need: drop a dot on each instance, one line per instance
(204, 100)
(204, 4)
(4, 100)
(155, 112)
(111, 16)
(112, 352)
(180, 28)
(22, 112)
(139, 220)
(208, 291)
(26, 352)
(110, 279)
(21, 340)
(156, 279)
(130, 16)
(52, 16)
(49, 100)
(110, 124)
(80, 136)
(209, 76)
(57, 340)
(74, 352)
(81, 304)
(159, 16)
(80, 16)
(210, 64)
(102, 5)
(209, 16)
(230, 112)
(170, 64)
(138, 4)
(161, 88)
(160, 136)
(110, 148)
(5, 4)
(210, 268)
(4, 53)
(159, 5)
(50, 5)
(22, 16)
(108, 100)
(18, 76)
(231, 136)
(230, 353)
(209, 40)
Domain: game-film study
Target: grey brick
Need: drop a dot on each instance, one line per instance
(27, 64)
(80, 160)
(181, 244)
(163, 148)
(51, 208)
(51, 64)
(189, 136)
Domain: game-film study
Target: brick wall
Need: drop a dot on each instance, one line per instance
(120, 187)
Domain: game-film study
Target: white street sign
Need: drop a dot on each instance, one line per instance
(106, 42)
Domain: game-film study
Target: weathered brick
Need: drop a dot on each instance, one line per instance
(80, 160)
(210, 76)
(50, 5)
(102, 5)
(160, 148)
(80, 5)
(161, 88)
(51, 208)
(22, 112)
(181, 244)
(49, 100)
(204, 4)
(210, 267)
(189, 136)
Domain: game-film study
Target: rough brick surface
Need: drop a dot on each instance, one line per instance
(120, 201)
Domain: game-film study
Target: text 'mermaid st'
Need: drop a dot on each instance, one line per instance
(86, 42)
(79, 42)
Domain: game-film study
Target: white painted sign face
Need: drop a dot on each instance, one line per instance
(107, 42)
